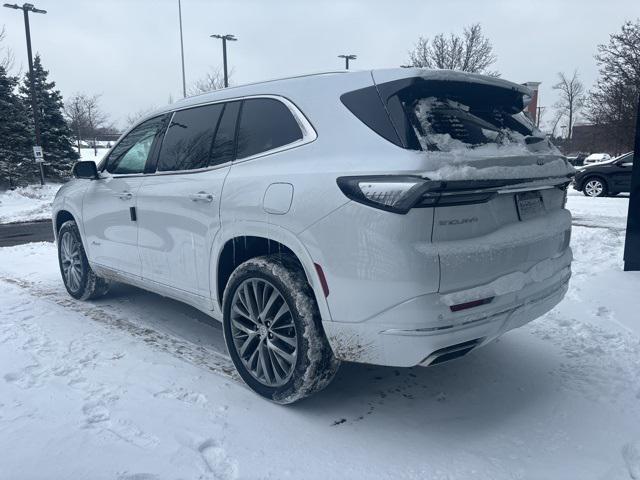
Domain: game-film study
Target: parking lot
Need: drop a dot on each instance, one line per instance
(135, 379)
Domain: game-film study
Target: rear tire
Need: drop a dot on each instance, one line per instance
(79, 279)
(273, 330)
(594, 187)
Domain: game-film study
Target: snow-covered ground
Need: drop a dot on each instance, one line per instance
(92, 154)
(26, 204)
(33, 202)
(136, 386)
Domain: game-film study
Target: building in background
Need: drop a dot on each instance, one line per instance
(532, 108)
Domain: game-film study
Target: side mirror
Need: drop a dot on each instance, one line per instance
(86, 169)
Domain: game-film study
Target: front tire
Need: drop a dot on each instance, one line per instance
(595, 187)
(79, 279)
(273, 330)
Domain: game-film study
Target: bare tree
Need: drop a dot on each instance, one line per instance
(612, 103)
(135, 117)
(571, 97)
(7, 59)
(471, 52)
(85, 117)
(76, 116)
(557, 117)
(212, 81)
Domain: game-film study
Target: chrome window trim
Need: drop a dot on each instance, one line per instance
(308, 135)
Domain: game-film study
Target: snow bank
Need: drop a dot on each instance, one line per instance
(26, 204)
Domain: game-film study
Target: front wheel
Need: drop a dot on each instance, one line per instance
(595, 187)
(79, 279)
(273, 331)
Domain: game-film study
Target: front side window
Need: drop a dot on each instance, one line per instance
(131, 153)
(189, 138)
(626, 159)
(265, 124)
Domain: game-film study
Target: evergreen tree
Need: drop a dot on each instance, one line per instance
(15, 140)
(55, 133)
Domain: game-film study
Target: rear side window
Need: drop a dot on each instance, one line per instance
(367, 106)
(188, 141)
(131, 153)
(265, 124)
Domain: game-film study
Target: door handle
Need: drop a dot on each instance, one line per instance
(124, 195)
(201, 197)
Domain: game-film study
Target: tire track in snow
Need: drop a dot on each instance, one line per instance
(102, 415)
(187, 351)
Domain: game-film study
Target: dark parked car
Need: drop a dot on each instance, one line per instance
(605, 178)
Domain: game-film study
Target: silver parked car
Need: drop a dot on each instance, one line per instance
(396, 217)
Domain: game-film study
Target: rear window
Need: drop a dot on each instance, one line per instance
(447, 116)
(443, 124)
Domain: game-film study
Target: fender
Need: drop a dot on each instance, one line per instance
(71, 202)
(271, 232)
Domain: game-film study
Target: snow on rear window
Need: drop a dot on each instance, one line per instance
(446, 125)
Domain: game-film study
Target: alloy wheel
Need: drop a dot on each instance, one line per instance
(263, 331)
(594, 188)
(71, 261)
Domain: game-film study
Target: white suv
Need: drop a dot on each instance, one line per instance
(396, 217)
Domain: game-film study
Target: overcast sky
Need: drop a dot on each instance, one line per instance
(128, 51)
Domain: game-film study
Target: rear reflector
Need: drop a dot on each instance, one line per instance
(475, 303)
(323, 280)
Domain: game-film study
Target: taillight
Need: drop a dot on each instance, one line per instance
(394, 193)
(401, 193)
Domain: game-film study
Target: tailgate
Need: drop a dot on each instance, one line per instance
(512, 231)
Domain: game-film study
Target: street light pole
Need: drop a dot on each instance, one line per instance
(224, 39)
(347, 57)
(26, 8)
(224, 62)
(184, 82)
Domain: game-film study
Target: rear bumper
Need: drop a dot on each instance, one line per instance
(409, 334)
